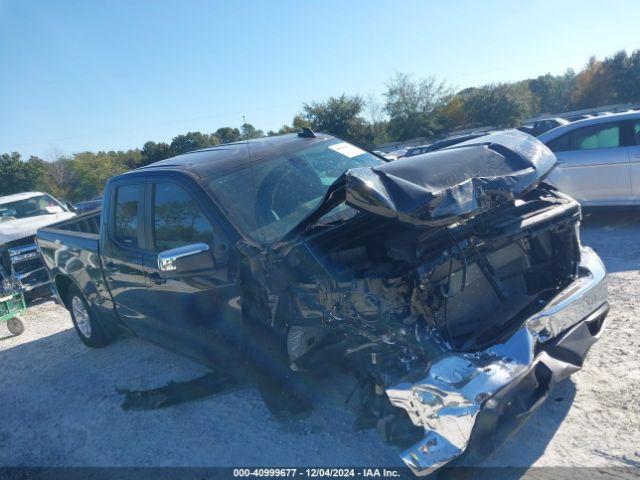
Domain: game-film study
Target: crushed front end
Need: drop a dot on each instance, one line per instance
(460, 392)
(453, 285)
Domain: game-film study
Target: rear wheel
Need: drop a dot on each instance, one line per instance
(15, 326)
(89, 328)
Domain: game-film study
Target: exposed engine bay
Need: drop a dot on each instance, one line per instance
(400, 292)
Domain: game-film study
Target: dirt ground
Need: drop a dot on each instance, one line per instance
(59, 406)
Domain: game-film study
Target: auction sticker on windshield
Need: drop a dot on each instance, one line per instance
(347, 149)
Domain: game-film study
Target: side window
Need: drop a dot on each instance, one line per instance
(127, 211)
(177, 219)
(606, 135)
(560, 144)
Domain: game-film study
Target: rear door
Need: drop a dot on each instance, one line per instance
(594, 165)
(122, 248)
(197, 310)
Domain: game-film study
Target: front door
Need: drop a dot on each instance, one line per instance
(197, 310)
(594, 165)
(122, 250)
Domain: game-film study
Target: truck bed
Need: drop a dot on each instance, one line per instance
(87, 224)
(71, 252)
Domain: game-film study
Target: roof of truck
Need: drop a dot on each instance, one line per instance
(222, 159)
(16, 197)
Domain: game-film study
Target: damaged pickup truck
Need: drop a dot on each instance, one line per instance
(452, 285)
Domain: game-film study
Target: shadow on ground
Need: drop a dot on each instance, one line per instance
(64, 411)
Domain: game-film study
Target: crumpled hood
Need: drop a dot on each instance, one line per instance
(26, 227)
(441, 187)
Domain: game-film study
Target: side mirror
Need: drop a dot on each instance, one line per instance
(169, 259)
(70, 207)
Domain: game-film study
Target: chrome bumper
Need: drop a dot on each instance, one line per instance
(447, 397)
(31, 280)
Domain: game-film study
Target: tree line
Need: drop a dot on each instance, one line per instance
(410, 108)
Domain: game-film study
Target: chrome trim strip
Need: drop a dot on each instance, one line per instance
(22, 249)
(23, 257)
(22, 276)
(28, 288)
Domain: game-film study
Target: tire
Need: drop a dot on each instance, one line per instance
(91, 331)
(15, 326)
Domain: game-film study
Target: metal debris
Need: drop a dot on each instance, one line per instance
(175, 392)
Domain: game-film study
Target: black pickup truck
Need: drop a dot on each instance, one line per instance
(452, 284)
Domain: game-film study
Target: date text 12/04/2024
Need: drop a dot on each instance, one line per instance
(318, 472)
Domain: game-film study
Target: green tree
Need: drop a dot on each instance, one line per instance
(228, 134)
(501, 105)
(18, 176)
(248, 131)
(593, 86)
(89, 173)
(340, 116)
(552, 93)
(191, 141)
(58, 177)
(412, 106)
(154, 152)
(631, 85)
(297, 125)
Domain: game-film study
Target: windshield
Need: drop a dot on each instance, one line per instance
(268, 199)
(29, 207)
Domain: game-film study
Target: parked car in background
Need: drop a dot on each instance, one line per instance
(575, 118)
(413, 151)
(450, 141)
(384, 155)
(454, 307)
(598, 159)
(399, 153)
(83, 207)
(21, 215)
(444, 143)
(541, 126)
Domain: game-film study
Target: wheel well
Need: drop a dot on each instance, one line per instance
(63, 284)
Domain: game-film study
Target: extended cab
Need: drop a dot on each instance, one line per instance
(452, 284)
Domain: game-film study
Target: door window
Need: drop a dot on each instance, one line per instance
(177, 219)
(127, 213)
(596, 136)
(560, 144)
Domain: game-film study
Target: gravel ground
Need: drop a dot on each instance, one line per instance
(59, 406)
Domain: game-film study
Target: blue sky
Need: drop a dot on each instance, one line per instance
(112, 74)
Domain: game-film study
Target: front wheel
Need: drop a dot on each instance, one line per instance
(89, 328)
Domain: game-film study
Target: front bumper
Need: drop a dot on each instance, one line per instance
(461, 395)
(27, 270)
